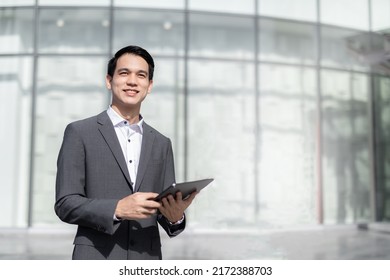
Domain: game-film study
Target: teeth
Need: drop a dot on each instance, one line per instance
(131, 90)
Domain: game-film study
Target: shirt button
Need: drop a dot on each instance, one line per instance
(128, 140)
(130, 161)
(125, 122)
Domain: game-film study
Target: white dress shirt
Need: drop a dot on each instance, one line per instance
(130, 139)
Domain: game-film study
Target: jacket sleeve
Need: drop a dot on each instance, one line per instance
(169, 179)
(171, 230)
(72, 204)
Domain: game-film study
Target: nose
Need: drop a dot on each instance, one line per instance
(131, 80)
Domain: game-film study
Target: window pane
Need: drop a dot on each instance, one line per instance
(376, 54)
(74, 91)
(6, 3)
(346, 13)
(74, 2)
(161, 4)
(287, 42)
(164, 107)
(60, 31)
(297, 9)
(230, 6)
(287, 108)
(221, 36)
(221, 142)
(346, 156)
(15, 116)
(344, 48)
(16, 30)
(158, 32)
(382, 148)
(380, 15)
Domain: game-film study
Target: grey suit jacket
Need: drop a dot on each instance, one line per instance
(92, 177)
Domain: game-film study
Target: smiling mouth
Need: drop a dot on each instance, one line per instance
(130, 92)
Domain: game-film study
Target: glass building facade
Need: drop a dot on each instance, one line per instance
(286, 103)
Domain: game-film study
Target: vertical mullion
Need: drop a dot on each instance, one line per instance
(33, 113)
(257, 113)
(372, 125)
(186, 49)
(110, 41)
(320, 191)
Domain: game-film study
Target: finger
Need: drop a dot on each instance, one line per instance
(151, 204)
(171, 199)
(179, 196)
(168, 200)
(147, 195)
(191, 197)
(164, 202)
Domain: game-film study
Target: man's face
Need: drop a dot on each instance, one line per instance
(130, 83)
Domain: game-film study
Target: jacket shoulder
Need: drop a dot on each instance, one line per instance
(88, 122)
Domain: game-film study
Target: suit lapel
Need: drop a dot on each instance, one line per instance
(108, 132)
(146, 151)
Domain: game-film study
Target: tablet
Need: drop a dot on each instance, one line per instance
(186, 188)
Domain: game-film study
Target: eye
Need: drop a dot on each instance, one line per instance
(142, 75)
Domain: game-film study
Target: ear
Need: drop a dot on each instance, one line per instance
(108, 81)
(150, 86)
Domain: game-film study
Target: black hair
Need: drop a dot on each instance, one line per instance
(135, 50)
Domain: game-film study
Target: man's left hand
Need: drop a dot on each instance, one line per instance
(173, 208)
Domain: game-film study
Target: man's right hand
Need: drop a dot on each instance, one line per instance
(139, 205)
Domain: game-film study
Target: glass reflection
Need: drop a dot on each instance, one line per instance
(334, 12)
(158, 32)
(287, 114)
(346, 148)
(382, 132)
(15, 120)
(380, 15)
(345, 48)
(305, 10)
(60, 31)
(221, 36)
(221, 142)
(230, 6)
(161, 4)
(16, 30)
(7, 3)
(221, 103)
(74, 2)
(287, 42)
(73, 91)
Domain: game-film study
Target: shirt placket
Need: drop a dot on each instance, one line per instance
(130, 153)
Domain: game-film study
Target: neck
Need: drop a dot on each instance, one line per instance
(132, 116)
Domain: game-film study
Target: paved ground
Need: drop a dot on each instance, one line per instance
(371, 242)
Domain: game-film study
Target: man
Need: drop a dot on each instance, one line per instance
(112, 166)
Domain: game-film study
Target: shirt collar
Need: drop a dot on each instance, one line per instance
(117, 120)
